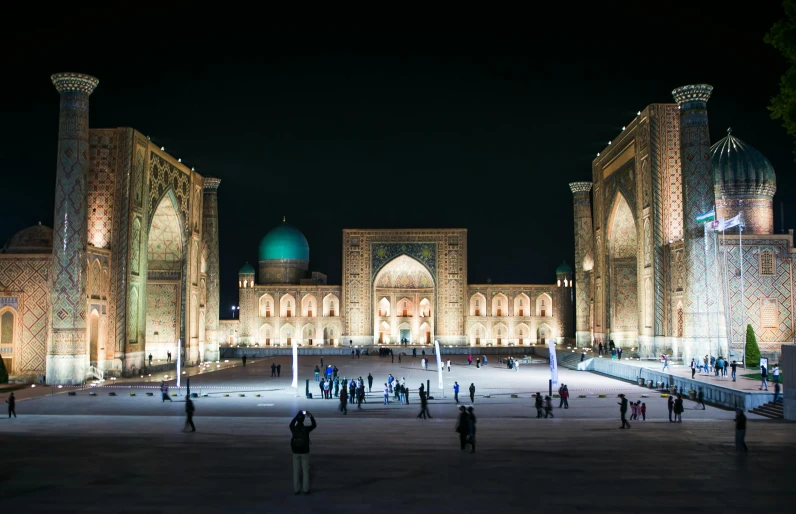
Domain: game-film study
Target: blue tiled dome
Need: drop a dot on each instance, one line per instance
(284, 242)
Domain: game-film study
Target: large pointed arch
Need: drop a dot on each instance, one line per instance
(623, 287)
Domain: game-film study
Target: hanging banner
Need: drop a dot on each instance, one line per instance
(439, 365)
(295, 365)
(551, 348)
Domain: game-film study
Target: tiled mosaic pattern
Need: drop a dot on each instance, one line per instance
(101, 185)
(404, 273)
(164, 246)
(162, 301)
(29, 278)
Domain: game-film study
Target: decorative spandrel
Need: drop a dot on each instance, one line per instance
(425, 253)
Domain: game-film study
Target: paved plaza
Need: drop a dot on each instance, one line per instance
(127, 453)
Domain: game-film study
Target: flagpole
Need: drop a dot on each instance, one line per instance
(727, 307)
(743, 302)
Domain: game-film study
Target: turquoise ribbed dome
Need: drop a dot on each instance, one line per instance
(246, 269)
(739, 170)
(284, 242)
(563, 268)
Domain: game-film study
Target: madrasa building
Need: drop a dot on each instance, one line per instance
(402, 285)
(652, 272)
(130, 268)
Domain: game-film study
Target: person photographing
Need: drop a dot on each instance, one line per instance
(300, 445)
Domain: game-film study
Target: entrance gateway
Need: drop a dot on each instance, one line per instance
(406, 335)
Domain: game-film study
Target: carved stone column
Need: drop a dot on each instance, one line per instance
(584, 261)
(67, 354)
(210, 249)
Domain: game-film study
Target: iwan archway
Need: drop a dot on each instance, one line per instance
(165, 280)
(622, 295)
(403, 303)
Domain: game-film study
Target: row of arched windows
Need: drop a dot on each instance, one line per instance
(288, 307)
(521, 305)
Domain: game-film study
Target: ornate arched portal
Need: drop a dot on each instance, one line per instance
(165, 267)
(403, 293)
(622, 293)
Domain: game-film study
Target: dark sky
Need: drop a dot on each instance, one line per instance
(476, 122)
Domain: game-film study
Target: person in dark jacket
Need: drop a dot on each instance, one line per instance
(623, 411)
(471, 436)
(463, 427)
(472, 392)
(12, 405)
(300, 445)
(740, 431)
(539, 405)
(189, 410)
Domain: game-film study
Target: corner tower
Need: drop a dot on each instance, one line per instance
(67, 354)
(701, 298)
(584, 261)
(210, 256)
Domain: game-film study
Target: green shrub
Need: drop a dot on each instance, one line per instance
(752, 357)
(3, 372)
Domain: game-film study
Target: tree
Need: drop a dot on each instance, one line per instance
(752, 357)
(782, 36)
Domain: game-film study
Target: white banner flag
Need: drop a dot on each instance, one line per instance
(295, 365)
(732, 222)
(551, 348)
(439, 365)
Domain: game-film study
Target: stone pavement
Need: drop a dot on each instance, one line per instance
(132, 464)
(741, 384)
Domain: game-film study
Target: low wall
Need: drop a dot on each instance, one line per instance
(714, 394)
(787, 364)
(496, 351)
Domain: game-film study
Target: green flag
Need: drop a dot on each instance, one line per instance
(708, 216)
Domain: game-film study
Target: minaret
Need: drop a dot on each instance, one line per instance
(701, 298)
(565, 300)
(67, 353)
(210, 243)
(247, 305)
(584, 261)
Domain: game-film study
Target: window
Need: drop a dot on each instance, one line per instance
(769, 313)
(767, 263)
(7, 328)
(543, 311)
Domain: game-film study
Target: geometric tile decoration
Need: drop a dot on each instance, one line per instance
(162, 313)
(29, 277)
(383, 253)
(404, 273)
(101, 185)
(164, 246)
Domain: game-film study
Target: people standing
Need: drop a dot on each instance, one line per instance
(469, 359)
(623, 411)
(548, 407)
(189, 410)
(278, 370)
(619, 353)
(483, 360)
(670, 406)
(478, 363)
(164, 392)
(244, 360)
(693, 368)
(370, 382)
(565, 396)
(168, 357)
(775, 372)
(12, 405)
(678, 409)
(463, 427)
(424, 406)
(471, 436)
(449, 365)
(456, 392)
(343, 401)
(472, 392)
(600, 349)
(740, 431)
(764, 376)
(273, 369)
(386, 394)
(150, 359)
(777, 390)
(701, 398)
(300, 446)
(539, 405)
(644, 412)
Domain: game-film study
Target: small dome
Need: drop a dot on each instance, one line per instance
(739, 170)
(35, 239)
(284, 242)
(563, 268)
(246, 269)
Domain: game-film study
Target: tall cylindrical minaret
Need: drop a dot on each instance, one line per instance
(210, 242)
(67, 353)
(701, 299)
(247, 306)
(584, 261)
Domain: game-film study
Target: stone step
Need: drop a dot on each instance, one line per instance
(769, 410)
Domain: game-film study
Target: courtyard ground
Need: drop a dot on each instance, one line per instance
(127, 453)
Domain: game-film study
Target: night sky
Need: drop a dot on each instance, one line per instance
(476, 124)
